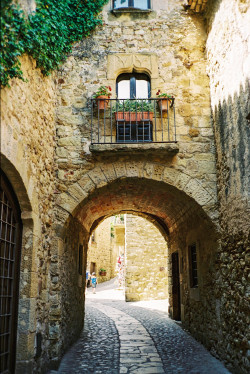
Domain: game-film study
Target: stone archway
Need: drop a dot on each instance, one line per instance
(106, 173)
(26, 281)
(179, 204)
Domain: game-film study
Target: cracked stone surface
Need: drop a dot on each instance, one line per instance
(123, 338)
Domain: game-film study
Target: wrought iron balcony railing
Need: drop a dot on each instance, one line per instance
(132, 121)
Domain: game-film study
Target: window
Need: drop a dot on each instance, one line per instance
(133, 86)
(193, 266)
(137, 4)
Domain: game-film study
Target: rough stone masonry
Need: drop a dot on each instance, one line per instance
(195, 191)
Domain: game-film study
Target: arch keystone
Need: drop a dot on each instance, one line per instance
(134, 169)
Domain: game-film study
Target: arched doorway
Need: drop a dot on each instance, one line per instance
(10, 250)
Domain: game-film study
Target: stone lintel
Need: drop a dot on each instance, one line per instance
(139, 148)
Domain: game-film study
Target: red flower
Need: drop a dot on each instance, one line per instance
(110, 89)
(157, 93)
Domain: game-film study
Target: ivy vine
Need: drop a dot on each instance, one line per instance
(47, 35)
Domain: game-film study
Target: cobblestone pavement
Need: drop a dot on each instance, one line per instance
(121, 337)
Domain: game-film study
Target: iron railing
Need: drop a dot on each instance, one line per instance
(132, 121)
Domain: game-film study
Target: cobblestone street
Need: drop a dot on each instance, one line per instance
(122, 337)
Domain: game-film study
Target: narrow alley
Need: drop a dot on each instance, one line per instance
(134, 337)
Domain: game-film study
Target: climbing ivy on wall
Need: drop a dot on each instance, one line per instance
(47, 35)
(13, 31)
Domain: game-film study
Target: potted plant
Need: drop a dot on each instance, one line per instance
(102, 272)
(165, 101)
(133, 111)
(102, 96)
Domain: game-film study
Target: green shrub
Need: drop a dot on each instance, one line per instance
(13, 31)
(133, 106)
(47, 35)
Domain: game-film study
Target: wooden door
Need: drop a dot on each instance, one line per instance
(176, 287)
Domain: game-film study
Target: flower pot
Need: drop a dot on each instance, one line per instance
(164, 104)
(134, 116)
(103, 273)
(102, 104)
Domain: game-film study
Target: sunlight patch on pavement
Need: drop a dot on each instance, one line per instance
(110, 291)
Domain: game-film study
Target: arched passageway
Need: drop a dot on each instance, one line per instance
(132, 249)
(189, 231)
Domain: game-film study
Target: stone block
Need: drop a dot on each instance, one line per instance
(97, 176)
(194, 189)
(86, 184)
(67, 202)
(109, 172)
(77, 192)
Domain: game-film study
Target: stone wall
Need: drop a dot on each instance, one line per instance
(100, 251)
(171, 188)
(177, 66)
(27, 158)
(199, 304)
(177, 190)
(228, 56)
(28, 6)
(118, 242)
(67, 309)
(146, 260)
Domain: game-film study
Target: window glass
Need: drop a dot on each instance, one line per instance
(120, 3)
(141, 89)
(141, 4)
(133, 86)
(123, 89)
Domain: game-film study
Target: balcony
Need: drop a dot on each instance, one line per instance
(133, 122)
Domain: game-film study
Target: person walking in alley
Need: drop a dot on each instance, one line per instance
(93, 282)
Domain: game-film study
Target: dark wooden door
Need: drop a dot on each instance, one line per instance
(10, 248)
(176, 287)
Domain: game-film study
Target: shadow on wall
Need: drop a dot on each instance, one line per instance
(232, 136)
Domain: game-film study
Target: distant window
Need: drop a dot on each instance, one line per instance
(137, 4)
(93, 237)
(80, 255)
(193, 266)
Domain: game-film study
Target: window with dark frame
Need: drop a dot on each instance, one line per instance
(137, 4)
(80, 255)
(134, 86)
(193, 266)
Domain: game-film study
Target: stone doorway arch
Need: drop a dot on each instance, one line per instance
(24, 333)
(178, 204)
